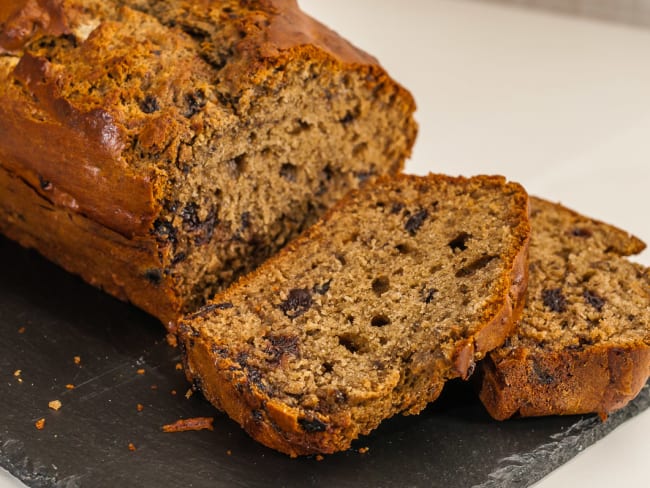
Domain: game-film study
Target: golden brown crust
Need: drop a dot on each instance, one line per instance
(271, 423)
(244, 398)
(290, 27)
(22, 20)
(598, 379)
(102, 257)
(84, 168)
(293, 34)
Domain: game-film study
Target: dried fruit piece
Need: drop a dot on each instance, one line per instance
(414, 222)
(297, 303)
(554, 299)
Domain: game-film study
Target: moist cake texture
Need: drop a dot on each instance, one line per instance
(403, 286)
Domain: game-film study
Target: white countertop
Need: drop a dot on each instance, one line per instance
(560, 104)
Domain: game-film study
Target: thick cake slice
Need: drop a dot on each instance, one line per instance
(162, 148)
(583, 344)
(401, 287)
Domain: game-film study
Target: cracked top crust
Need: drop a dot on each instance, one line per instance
(133, 81)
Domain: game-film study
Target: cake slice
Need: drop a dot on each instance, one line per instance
(583, 343)
(403, 286)
(162, 148)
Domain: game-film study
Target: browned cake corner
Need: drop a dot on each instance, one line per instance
(401, 287)
(583, 343)
(162, 148)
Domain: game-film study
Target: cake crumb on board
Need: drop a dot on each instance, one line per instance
(17, 374)
(184, 425)
(55, 404)
(171, 340)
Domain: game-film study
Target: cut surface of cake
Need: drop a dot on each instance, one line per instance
(403, 286)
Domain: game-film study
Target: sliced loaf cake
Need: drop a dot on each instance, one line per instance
(401, 287)
(161, 148)
(583, 344)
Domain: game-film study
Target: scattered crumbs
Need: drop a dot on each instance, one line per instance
(69, 386)
(171, 340)
(54, 404)
(173, 392)
(319, 457)
(22, 330)
(140, 371)
(77, 359)
(179, 366)
(363, 450)
(189, 393)
(139, 407)
(40, 424)
(154, 387)
(196, 423)
(17, 372)
(229, 452)
(132, 447)
(20, 380)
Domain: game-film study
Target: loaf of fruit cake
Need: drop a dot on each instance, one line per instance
(160, 149)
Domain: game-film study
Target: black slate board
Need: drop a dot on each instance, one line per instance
(451, 444)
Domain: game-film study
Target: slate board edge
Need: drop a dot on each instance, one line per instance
(523, 470)
(517, 471)
(17, 462)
